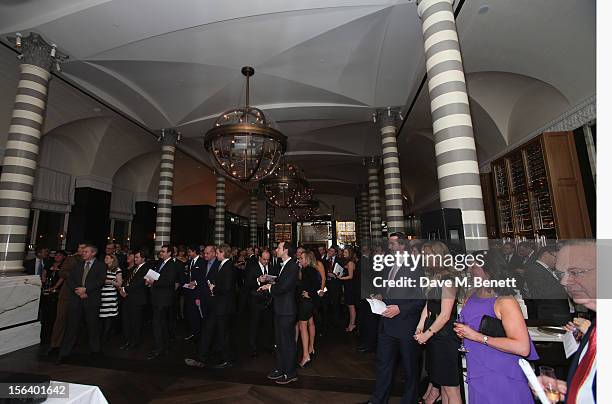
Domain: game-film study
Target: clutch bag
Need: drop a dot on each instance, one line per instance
(491, 326)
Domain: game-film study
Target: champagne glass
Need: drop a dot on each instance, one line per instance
(549, 379)
(461, 320)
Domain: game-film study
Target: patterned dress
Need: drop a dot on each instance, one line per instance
(110, 305)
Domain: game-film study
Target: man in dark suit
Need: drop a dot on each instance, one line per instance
(331, 300)
(513, 260)
(134, 294)
(546, 299)
(211, 266)
(285, 312)
(259, 303)
(222, 304)
(577, 262)
(252, 258)
(192, 283)
(85, 281)
(36, 266)
(397, 326)
(162, 299)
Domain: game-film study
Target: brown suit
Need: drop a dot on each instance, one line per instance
(62, 303)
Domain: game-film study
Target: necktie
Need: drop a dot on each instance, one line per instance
(265, 270)
(161, 266)
(392, 274)
(85, 271)
(584, 367)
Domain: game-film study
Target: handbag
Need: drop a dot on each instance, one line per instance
(491, 326)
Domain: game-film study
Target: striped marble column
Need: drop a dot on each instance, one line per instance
(358, 220)
(456, 160)
(22, 149)
(374, 199)
(394, 212)
(253, 219)
(365, 222)
(163, 221)
(220, 211)
(270, 212)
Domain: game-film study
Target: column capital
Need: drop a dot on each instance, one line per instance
(169, 137)
(423, 5)
(390, 116)
(36, 51)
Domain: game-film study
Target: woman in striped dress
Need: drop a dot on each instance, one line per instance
(109, 308)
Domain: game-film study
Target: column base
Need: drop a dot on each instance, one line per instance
(19, 302)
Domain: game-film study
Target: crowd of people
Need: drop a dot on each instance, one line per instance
(292, 295)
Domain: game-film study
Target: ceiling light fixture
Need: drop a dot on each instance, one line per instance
(244, 143)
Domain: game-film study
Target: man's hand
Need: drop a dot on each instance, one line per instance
(192, 284)
(79, 291)
(264, 288)
(547, 381)
(261, 278)
(197, 302)
(122, 292)
(83, 296)
(148, 281)
(391, 311)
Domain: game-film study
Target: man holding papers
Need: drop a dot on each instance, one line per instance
(397, 326)
(285, 312)
(258, 273)
(162, 297)
(192, 282)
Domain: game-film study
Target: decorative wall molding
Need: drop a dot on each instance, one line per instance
(577, 116)
(94, 181)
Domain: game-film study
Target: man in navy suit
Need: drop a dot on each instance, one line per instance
(577, 261)
(192, 283)
(285, 312)
(397, 326)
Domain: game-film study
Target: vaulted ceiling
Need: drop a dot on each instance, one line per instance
(322, 68)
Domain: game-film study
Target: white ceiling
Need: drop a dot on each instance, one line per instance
(322, 68)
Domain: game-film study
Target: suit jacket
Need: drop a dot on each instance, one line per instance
(284, 290)
(136, 290)
(194, 272)
(30, 265)
(253, 271)
(367, 276)
(515, 262)
(162, 290)
(210, 277)
(223, 301)
(549, 296)
(93, 283)
(410, 301)
(576, 360)
(252, 260)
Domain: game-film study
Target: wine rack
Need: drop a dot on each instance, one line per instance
(531, 186)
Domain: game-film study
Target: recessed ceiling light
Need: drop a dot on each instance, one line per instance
(483, 9)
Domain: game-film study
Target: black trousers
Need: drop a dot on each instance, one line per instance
(260, 316)
(193, 316)
(48, 312)
(286, 347)
(76, 313)
(387, 353)
(132, 322)
(161, 322)
(368, 326)
(215, 330)
(332, 311)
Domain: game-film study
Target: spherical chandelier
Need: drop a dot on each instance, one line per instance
(304, 210)
(243, 142)
(285, 187)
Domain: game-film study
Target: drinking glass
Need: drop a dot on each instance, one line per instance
(549, 379)
(461, 320)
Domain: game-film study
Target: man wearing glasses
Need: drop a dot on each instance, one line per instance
(576, 262)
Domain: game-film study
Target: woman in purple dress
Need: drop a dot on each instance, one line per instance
(493, 372)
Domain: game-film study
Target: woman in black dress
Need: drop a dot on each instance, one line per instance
(308, 300)
(435, 329)
(348, 278)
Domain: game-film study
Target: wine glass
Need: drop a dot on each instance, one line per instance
(461, 320)
(549, 379)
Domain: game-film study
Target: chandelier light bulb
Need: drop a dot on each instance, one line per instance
(18, 39)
